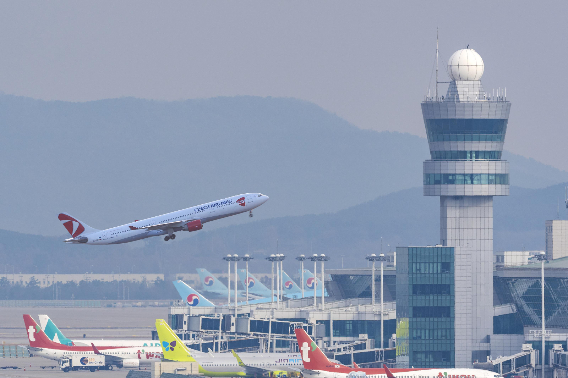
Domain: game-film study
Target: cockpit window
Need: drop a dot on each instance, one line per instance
(260, 194)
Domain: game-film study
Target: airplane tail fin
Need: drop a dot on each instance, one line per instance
(290, 287)
(173, 348)
(210, 282)
(310, 281)
(36, 336)
(312, 356)
(74, 226)
(190, 296)
(388, 372)
(52, 332)
(254, 285)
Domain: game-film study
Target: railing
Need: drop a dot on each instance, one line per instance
(13, 351)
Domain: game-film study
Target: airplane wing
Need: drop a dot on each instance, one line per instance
(249, 370)
(189, 224)
(114, 360)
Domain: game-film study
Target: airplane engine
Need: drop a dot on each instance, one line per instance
(131, 364)
(193, 225)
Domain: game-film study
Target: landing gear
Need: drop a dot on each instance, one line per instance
(172, 236)
(250, 214)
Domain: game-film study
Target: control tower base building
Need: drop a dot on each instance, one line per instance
(466, 131)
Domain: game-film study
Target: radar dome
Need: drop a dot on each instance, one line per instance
(465, 65)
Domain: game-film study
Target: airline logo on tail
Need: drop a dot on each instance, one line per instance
(209, 281)
(306, 350)
(192, 300)
(169, 346)
(250, 282)
(73, 226)
(311, 282)
(32, 330)
(289, 285)
(241, 201)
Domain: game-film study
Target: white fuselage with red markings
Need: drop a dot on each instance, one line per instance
(144, 356)
(202, 214)
(415, 373)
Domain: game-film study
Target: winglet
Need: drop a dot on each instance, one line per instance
(95, 349)
(241, 363)
(132, 228)
(388, 372)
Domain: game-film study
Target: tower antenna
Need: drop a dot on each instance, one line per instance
(437, 68)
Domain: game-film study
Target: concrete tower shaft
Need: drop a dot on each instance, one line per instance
(466, 131)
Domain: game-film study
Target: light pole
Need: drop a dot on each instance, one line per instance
(542, 258)
(315, 259)
(382, 259)
(279, 258)
(228, 259)
(246, 259)
(301, 259)
(236, 258)
(323, 258)
(372, 257)
(272, 259)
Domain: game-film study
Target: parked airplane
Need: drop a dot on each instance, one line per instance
(310, 281)
(55, 335)
(41, 345)
(291, 288)
(190, 219)
(316, 364)
(193, 298)
(225, 364)
(255, 287)
(212, 285)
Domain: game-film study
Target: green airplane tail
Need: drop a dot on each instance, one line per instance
(174, 349)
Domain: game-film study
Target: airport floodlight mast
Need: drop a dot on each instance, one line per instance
(323, 258)
(272, 259)
(278, 258)
(301, 259)
(542, 258)
(246, 259)
(382, 259)
(315, 259)
(281, 287)
(236, 258)
(228, 259)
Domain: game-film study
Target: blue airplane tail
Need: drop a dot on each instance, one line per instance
(191, 297)
(310, 281)
(290, 287)
(210, 283)
(255, 287)
(52, 332)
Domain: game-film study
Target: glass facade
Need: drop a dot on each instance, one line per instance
(466, 179)
(466, 126)
(465, 138)
(465, 155)
(425, 307)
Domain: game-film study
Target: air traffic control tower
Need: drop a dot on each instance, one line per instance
(466, 131)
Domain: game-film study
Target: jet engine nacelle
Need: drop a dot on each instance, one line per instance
(130, 364)
(194, 225)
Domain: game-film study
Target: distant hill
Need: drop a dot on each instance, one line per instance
(402, 218)
(112, 161)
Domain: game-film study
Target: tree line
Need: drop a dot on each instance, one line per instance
(88, 290)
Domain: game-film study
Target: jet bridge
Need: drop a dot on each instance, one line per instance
(522, 363)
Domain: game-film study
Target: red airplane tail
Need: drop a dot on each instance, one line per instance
(312, 357)
(36, 337)
(388, 372)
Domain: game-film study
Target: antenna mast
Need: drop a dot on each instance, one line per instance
(437, 66)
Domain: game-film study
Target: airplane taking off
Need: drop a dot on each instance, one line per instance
(190, 219)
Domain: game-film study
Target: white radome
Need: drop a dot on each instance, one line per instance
(465, 65)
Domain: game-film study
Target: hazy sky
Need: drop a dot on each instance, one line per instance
(370, 62)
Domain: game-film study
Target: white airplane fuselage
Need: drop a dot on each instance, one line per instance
(144, 356)
(168, 224)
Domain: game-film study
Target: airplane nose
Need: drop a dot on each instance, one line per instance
(265, 198)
